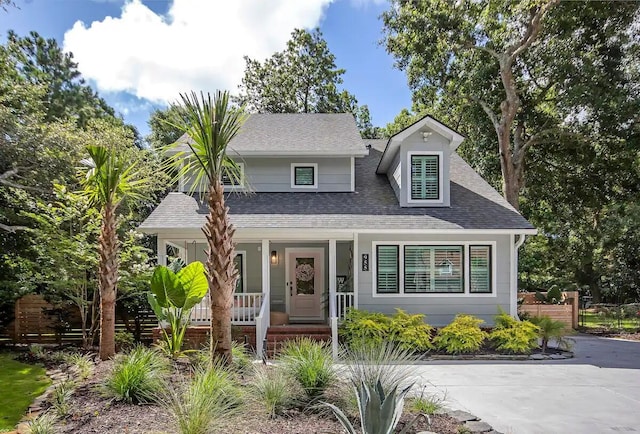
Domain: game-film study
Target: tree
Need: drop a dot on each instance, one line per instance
(301, 79)
(163, 133)
(211, 124)
(109, 180)
(42, 62)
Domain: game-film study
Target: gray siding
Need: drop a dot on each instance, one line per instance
(391, 175)
(439, 310)
(253, 262)
(416, 143)
(274, 174)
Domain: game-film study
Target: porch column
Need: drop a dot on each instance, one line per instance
(266, 268)
(356, 268)
(332, 297)
(263, 320)
(162, 251)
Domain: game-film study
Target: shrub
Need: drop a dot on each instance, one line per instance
(310, 363)
(60, 397)
(463, 335)
(406, 330)
(82, 364)
(124, 340)
(241, 360)
(513, 336)
(211, 394)
(549, 329)
(272, 389)
(427, 404)
(137, 376)
(43, 424)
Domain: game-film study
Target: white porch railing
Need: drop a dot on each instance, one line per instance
(262, 325)
(344, 300)
(244, 312)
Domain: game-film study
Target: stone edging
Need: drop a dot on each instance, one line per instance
(472, 423)
(537, 356)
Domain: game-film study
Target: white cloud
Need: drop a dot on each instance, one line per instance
(197, 45)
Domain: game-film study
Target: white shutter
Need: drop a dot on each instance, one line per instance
(480, 269)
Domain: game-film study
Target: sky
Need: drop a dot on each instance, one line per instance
(140, 54)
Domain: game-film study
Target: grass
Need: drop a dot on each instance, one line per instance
(20, 384)
(597, 320)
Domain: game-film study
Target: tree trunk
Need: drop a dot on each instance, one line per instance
(108, 280)
(221, 272)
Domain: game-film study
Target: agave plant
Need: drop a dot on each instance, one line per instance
(380, 412)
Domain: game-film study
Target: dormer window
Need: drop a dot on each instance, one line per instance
(304, 175)
(426, 177)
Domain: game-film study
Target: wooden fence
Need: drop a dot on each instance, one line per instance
(567, 313)
(38, 321)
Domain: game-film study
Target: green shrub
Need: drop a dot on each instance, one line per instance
(81, 363)
(310, 363)
(61, 396)
(513, 336)
(272, 389)
(124, 340)
(406, 330)
(463, 335)
(549, 329)
(137, 376)
(211, 394)
(43, 424)
(242, 361)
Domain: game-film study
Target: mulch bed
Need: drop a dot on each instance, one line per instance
(91, 412)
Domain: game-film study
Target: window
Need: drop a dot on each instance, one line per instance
(304, 175)
(425, 177)
(233, 179)
(437, 269)
(480, 269)
(238, 261)
(387, 269)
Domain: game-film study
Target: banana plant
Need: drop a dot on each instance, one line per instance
(174, 292)
(380, 412)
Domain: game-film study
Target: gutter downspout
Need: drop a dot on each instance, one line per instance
(514, 273)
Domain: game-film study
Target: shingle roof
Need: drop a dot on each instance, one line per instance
(296, 134)
(474, 205)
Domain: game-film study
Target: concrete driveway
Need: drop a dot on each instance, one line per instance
(596, 392)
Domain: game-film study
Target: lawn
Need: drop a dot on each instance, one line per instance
(596, 320)
(20, 384)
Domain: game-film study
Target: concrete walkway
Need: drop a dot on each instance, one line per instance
(596, 392)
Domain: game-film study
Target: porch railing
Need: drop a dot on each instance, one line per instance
(246, 308)
(344, 300)
(262, 325)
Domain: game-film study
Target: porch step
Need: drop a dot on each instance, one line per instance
(278, 335)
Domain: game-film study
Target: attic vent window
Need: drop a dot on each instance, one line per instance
(425, 177)
(304, 175)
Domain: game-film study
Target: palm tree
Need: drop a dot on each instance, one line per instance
(110, 178)
(211, 124)
(549, 329)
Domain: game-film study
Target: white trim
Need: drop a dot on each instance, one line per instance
(440, 199)
(353, 174)
(293, 175)
(513, 301)
(266, 267)
(402, 294)
(287, 291)
(244, 269)
(243, 183)
(162, 251)
(332, 278)
(356, 269)
(397, 175)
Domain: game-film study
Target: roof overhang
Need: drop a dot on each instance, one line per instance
(426, 123)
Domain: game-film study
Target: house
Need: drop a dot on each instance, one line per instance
(326, 220)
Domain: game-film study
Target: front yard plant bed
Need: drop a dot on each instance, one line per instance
(91, 408)
(551, 354)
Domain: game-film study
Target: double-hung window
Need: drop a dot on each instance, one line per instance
(425, 177)
(233, 178)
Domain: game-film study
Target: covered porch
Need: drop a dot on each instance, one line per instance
(291, 280)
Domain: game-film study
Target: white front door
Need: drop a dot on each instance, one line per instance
(305, 282)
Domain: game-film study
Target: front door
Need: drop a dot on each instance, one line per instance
(305, 283)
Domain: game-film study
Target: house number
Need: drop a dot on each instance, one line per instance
(365, 262)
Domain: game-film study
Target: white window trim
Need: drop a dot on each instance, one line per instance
(244, 270)
(240, 186)
(465, 245)
(293, 175)
(440, 199)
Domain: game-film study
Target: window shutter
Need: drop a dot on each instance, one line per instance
(304, 176)
(425, 177)
(237, 261)
(387, 269)
(480, 269)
